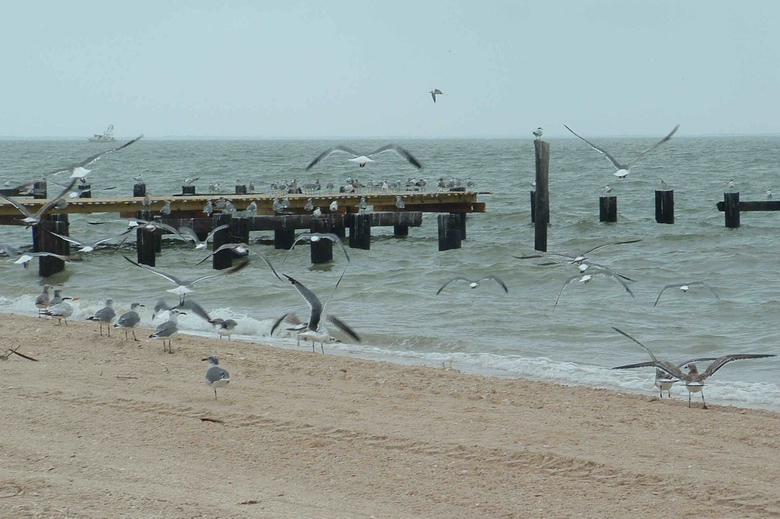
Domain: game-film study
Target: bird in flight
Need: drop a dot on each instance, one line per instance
(474, 283)
(362, 160)
(623, 169)
(435, 92)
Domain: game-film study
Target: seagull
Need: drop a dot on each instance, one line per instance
(165, 210)
(334, 206)
(663, 381)
(43, 300)
(24, 259)
(104, 316)
(362, 160)
(184, 286)
(399, 202)
(694, 381)
(435, 92)
(685, 287)
(189, 233)
(189, 181)
(317, 211)
(317, 309)
(137, 223)
(538, 133)
(168, 330)
(91, 245)
(769, 195)
(623, 169)
(607, 190)
(597, 272)
(61, 310)
(31, 219)
(224, 327)
(730, 186)
(664, 186)
(322, 336)
(243, 250)
(577, 259)
(314, 237)
(129, 320)
(475, 284)
(189, 304)
(208, 208)
(78, 169)
(216, 376)
(251, 209)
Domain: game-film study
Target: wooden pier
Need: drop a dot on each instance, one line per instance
(381, 209)
(732, 207)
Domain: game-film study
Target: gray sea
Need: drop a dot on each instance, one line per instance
(389, 295)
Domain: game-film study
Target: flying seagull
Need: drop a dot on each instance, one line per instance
(189, 233)
(435, 92)
(362, 160)
(624, 169)
(88, 246)
(685, 287)
(31, 219)
(474, 283)
(694, 381)
(586, 278)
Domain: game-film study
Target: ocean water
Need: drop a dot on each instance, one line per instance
(388, 294)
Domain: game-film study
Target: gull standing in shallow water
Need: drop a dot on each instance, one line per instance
(685, 287)
(362, 160)
(623, 169)
(104, 316)
(694, 381)
(215, 375)
(474, 283)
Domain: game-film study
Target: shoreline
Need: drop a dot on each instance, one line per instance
(107, 427)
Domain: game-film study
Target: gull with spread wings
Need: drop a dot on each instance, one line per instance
(362, 160)
(31, 219)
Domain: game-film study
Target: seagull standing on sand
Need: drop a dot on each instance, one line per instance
(435, 92)
(169, 329)
(623, 169)
(215, 375)
(129, 320)
(104, 316)
(43, 300)
(694, 381)
(362, 160)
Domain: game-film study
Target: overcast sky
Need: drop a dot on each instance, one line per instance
(363, 69)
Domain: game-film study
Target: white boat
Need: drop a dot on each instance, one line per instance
(106, 136)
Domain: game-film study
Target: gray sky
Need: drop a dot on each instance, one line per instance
(362, 69)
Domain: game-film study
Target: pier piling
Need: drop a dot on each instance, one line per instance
(145, 239)
(139, 189)
(449, 231)
(533, 206)
(542, 195)
(360, 231)
(47, 242)
(608, 209)
(39, 189)
(664, 206)
(188, 190)
(731, 209)
(284, 238)
(321, 250)
(224, 258)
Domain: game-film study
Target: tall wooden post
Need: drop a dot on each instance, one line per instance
(542, 196)
(664, 206)
(144, 239)
(47, 242)
(224, 258)
(240, 189)
(239, 229)
(284, 238)
(731, 209)
(188, 190)
(139, 189)
(321, 250)
(533, 206)
(608, 208)
(360, 231)
(449, 231)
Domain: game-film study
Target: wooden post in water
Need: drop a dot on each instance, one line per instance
(224, 258)
(47, 242)
(608, 208)
(664, 206)
(449, 231)
(731, 209)
(322, 249)
(533, 206)
(39, 189)
(145, 239)
(240, 189)
(139, 189)
(461, 224)
(284, 238)
(188, 190)
(360, 231)
(239, 229)
(400, 231)
(542, 195)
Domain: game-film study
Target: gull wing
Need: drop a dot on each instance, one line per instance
(92, 158)
(173, 279)
(341, 325)
(722, 361)
(497, 280)
(456, 278)
(604, 152)
(311, 299)
(330, 151)
(611, 243)
(677, 285)
(654, 146)
(400, 151)
(314, 236)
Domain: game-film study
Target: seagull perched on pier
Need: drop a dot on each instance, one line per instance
(215, 375)
(623, 169)
(684, 287)
(435, 92)
(362, 160)
(694, 381)
(538, 133)
(475, 283)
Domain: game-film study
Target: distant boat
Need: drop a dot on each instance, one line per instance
(106, 136)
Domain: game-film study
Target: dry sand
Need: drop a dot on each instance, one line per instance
(103, 427)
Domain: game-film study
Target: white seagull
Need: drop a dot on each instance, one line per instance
(104, 316)
(685, 287)
(362, 160)
(129, 320)
(31, 219)
(586, 278)
(435, 92)
(168, 330)
(474, 283)
(189, 233)
(538, 133)
(624, 169)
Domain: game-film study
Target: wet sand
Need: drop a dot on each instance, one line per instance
(103, 427)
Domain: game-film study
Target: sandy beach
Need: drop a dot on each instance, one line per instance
(104, 427)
